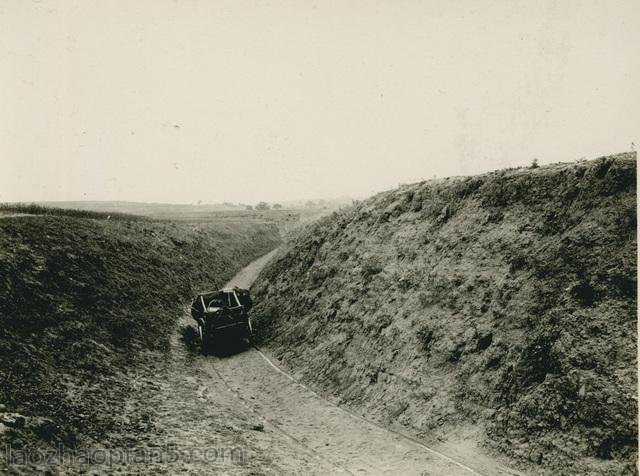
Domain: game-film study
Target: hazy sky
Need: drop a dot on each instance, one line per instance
(186, 100)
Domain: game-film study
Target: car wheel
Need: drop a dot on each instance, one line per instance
(206, 344)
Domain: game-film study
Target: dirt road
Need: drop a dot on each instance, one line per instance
(242, 399)
(247, 275)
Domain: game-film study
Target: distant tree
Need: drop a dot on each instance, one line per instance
(262, 206)
(276, 206)
(248, 207)
(534, 164)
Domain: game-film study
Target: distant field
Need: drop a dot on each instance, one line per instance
(285, 219)
(16, 209)
(139, 208)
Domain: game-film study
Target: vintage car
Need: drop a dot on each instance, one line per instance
(224, 312)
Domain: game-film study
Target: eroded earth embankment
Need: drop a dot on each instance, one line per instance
(500, 309)
(88, 306)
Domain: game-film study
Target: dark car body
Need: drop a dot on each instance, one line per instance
(222, 312)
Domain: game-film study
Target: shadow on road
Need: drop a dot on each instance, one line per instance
(229, 346)
(189, 337)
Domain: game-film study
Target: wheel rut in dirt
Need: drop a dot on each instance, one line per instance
(344, 441)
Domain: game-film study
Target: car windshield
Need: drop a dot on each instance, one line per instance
(224, 299)
(216, 302)
(230, 299)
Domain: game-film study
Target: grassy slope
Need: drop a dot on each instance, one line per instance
(504, 302)
(87, 307)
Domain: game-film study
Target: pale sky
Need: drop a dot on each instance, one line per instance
(186, 100)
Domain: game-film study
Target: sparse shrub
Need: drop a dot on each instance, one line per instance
(518, 262)
(416, 202)
(445, 214)
(319, 273)
(405, 278)
(371, 267)
(494, 358)
(583, 292)
(424, 298)
(380, 323)
(494, 216)
(453, 350)
(484, 340)
(425, 337)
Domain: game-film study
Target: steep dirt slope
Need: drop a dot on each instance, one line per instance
(499, 308)
(87, 307)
